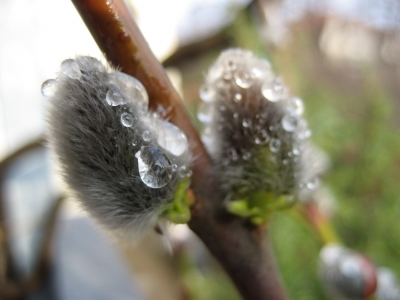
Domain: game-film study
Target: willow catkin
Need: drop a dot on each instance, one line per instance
(121, 162)
(255, 130)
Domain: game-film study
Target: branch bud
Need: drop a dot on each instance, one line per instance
(346, 273)
(126, 165)
(256, 135)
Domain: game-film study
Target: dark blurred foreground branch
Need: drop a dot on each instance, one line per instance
(244, 252)
(12, 287)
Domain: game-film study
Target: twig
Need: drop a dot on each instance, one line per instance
(320, 223)
(244, 252)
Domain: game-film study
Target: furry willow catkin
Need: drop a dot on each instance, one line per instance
(127, 166)
(257, 136)
(346, 273)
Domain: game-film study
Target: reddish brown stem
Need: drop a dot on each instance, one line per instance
(245, 253)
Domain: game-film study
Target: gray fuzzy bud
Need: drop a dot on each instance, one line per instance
(119, 160)
(254, 129)
(388, 285)
(346, 273)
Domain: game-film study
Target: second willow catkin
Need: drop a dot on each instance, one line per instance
(256, 134)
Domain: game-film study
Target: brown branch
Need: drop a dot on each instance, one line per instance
(245, 253)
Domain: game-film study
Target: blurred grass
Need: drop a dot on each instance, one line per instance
(353, 120)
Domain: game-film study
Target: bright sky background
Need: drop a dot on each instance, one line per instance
(36, 35)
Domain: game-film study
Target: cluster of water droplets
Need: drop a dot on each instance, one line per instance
(160, 144)
(244, 102)
(122, 86)
(71, 69)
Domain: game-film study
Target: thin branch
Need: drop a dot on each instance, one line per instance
(320, 223)
(244, 252)
(12, 287)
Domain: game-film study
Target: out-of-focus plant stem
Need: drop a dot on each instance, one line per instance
(244, 252)
(320, 223)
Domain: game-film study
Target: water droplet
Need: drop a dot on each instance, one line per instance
(146, 135)
(244, 79)
(235, 115)
(71, 69)
(246, 155)
(184, 172)
(155, 168)
(171, 138)
(303, 135)
(134, 143)
(289, 122)
(49, 87)
(96, 64)
(285, 161)
(174, 167)
(131, 88)
(274, 91)
(262, 69)
(295, 106)
(313, 184)
(215, 72)
(237, 97)
(303, 131)
(114, 97)
(296, 151)
(127, 119)
(275, 145)
(222, 108)
(246, 123)
(207, 93)
(204, 112)
(262, 137)
(88, 63)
